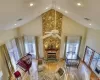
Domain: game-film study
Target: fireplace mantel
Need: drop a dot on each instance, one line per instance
(51, 49)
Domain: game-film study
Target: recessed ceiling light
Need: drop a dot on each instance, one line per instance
(90, 24)
(79, 4)
(46, 7)
(31, 4)
(66, 11)
(15, 24)
(58, 7)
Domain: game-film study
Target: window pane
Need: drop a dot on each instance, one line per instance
(13, 52)
(98, 64)
(94, 61)
(72, 47)
(88, 55)
(30, 45)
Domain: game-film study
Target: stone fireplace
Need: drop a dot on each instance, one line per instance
(51, 45)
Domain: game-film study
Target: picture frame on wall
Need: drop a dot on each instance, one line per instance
(94, 61)
(88, 55)
(97, 69)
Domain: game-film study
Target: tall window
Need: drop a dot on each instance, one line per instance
(72, 47)
(30, 46)
(13, 52)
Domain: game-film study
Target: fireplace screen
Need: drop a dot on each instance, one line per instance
(51, 55)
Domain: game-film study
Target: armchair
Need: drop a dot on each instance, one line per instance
(60, 74)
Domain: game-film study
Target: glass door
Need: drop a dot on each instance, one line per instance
(72, 47)
(30, 45)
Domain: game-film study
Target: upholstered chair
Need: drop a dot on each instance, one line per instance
(60, 74)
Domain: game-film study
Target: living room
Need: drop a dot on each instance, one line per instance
(30, 31)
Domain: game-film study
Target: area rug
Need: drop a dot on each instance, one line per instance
(43, 75)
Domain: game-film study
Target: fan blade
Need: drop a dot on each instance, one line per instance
(45, 36)
(58, 36)
(47, 32)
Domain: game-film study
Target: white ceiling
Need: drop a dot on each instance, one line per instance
(12, 10)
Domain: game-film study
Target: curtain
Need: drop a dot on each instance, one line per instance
(6, 56)
(18, 46)
(37, 50)
(21, 45)
(65, 47)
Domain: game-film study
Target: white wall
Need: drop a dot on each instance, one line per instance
(33, 28)
(5, 35)
(69, 27)
(93, 39)
(72, 28)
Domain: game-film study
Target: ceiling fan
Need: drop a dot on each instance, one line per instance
(54, 33)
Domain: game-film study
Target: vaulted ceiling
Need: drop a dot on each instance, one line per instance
(14, 13)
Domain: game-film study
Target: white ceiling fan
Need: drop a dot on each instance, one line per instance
(54, 33)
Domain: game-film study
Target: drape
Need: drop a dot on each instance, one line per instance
(37, 50)
(18, 46)
(5, 55)
(20, 42)
(65, 41)
(21, 45)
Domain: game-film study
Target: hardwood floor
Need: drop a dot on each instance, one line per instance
(82, 73)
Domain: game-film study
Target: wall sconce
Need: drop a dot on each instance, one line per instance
(57, 46)
(46, 46)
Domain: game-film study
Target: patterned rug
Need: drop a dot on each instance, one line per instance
(51, 76)
(49, 73)
(46, 76)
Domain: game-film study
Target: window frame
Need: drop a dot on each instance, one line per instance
(66, 40)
